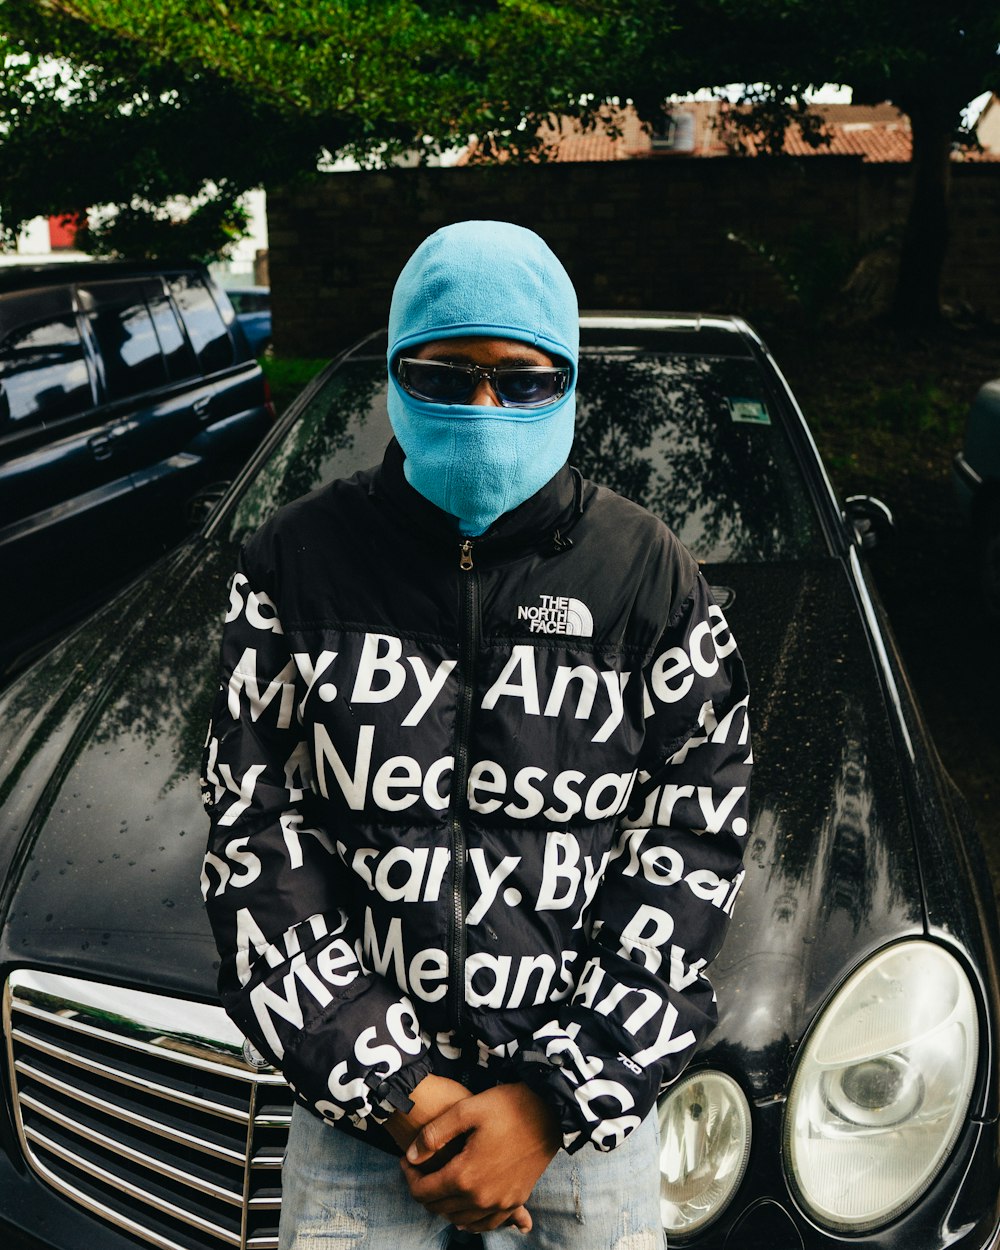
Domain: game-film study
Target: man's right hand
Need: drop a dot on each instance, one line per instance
(431, 1098)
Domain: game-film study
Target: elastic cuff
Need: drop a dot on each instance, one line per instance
(392, 1093)
(542, 1074)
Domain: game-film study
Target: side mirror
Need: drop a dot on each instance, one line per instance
(202, 504)
(869, 518)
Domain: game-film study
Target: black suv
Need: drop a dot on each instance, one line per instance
(124, 389)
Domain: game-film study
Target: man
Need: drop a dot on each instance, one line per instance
(488, 809)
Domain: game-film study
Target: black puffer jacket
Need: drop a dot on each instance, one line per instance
(476, 809)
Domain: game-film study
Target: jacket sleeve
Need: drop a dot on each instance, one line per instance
(642, 1004)
(291, 974)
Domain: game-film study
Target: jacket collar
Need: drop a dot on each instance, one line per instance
(541, 523)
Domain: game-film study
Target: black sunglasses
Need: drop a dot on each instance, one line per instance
(516, 386)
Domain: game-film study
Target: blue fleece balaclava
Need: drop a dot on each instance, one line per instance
(497, 280)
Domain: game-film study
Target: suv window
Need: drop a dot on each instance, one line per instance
(176, 350)
(43, 370)
(124, 331)
(207, 331)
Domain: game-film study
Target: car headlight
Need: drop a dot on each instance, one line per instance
(882, 1087)
(704, 1147)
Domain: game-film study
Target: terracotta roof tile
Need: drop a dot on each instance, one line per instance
(876, 133)
(879, 114)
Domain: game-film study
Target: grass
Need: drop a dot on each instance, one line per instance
(287, 376)
(885, 406)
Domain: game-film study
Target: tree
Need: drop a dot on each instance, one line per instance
(130, 102)
(86, 119)
(929, 59)
(205, 98)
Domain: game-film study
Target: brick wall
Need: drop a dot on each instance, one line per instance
(666, 234)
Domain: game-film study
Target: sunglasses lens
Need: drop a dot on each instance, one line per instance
(516, 387)
(530, 388)
(438, 384)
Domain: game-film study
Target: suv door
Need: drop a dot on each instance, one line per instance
(171, 371)
(148, 375)
(232, 411)
(121, 394)
(64, 468)
(48, 409)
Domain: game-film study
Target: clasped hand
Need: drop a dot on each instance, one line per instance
(474, 1158)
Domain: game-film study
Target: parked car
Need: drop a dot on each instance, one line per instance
(977, 484)
(849, 1096)
(124, 388)
(253, 312)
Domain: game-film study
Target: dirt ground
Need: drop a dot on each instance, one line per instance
(888, 413)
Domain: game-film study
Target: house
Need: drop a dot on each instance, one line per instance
(45, 239)
(988, 126)
(878, 134)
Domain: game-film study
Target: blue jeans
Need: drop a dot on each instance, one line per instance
(342, 1194)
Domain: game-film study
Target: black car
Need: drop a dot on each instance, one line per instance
(848, 1098)
(253, 314)
(977, 486)
(123, 389)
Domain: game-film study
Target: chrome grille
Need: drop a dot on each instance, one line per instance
(141, 1109)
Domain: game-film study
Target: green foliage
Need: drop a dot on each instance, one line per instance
(927, 58)
(132, 102)
(912, 52)
(144, 232)
(88, 119)
(152, 99)
(287, 376)
(884, 407)
(918, 404)
(813, 266)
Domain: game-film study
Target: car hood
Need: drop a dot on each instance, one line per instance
(102, 836)
(103, 877)
(832, 868)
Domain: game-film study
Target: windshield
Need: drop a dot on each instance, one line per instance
(698, 440)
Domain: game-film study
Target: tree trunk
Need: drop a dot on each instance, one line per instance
(917, 299)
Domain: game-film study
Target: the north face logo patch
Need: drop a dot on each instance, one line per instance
(558, 614)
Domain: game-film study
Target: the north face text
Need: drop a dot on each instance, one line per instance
(558, 614)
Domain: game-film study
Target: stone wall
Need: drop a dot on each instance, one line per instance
(724, 235)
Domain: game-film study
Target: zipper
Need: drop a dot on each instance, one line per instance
(468, 654)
